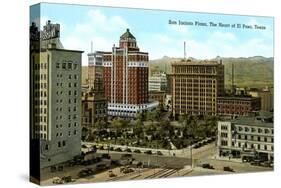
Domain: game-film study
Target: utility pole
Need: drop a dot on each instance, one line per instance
(191, 156)
(184, 51)
(232, 79)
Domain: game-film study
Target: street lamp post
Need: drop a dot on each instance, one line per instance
(191, 156)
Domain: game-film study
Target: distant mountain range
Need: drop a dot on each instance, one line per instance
(254, 71)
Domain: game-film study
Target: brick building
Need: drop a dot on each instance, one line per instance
(126, 78)
(237, 105)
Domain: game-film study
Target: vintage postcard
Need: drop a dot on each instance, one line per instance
(129, 94)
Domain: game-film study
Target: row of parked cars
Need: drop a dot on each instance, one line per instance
(136, 151)
(204, 142)
(225, 168)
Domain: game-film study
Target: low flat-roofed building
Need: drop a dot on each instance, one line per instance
(237, 105)
(159, 96)
(247, 137)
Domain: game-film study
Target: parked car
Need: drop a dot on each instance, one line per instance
(111, 148)
(128, 150)
(127, 170)
(111, 174)
(118, 149)
(159, 153)
(137, 151)
(67, 179)
(57, 180)
(105, 156)
(227, 168)
(207, 165)
(85, 172)
(255, 163)
(101, 167)
(148, 152)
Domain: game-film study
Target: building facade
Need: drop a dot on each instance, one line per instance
(159, 96)
(196, 86)
(94, 101)
(237, 105)
(246, 137)
(126, 78)
(55, 99)
(94, 108)
(157, 82)
(266, 98)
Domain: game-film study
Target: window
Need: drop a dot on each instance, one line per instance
(63, 143)
(59, 144)
(69, 66)
(74, 132)
(64, 65)
(224, 143)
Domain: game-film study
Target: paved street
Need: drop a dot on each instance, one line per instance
(158, 166)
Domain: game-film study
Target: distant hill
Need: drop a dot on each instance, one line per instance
(254, 71)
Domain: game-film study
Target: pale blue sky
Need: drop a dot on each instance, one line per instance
(103, 25)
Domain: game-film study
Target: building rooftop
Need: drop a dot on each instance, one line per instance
(191, 62)
(237, 97)
(127, 35)
(263, 119)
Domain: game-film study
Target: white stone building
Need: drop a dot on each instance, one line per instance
(251, 137)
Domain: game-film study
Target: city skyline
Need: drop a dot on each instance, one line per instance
(82, 24)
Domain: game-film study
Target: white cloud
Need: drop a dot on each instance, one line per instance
(223, 36)
(102, 30)
(179, 29)
(162, 38)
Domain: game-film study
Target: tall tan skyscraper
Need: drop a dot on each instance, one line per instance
(55, 98)
(196, 86)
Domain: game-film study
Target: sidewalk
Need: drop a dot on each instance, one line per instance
(227, 159)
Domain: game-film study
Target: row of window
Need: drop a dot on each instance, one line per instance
(40, 86)
(40, 102)
(69, 101)
(38, 66)
(253, 130)
(70, 76)
(67, 65)
(249, 145)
